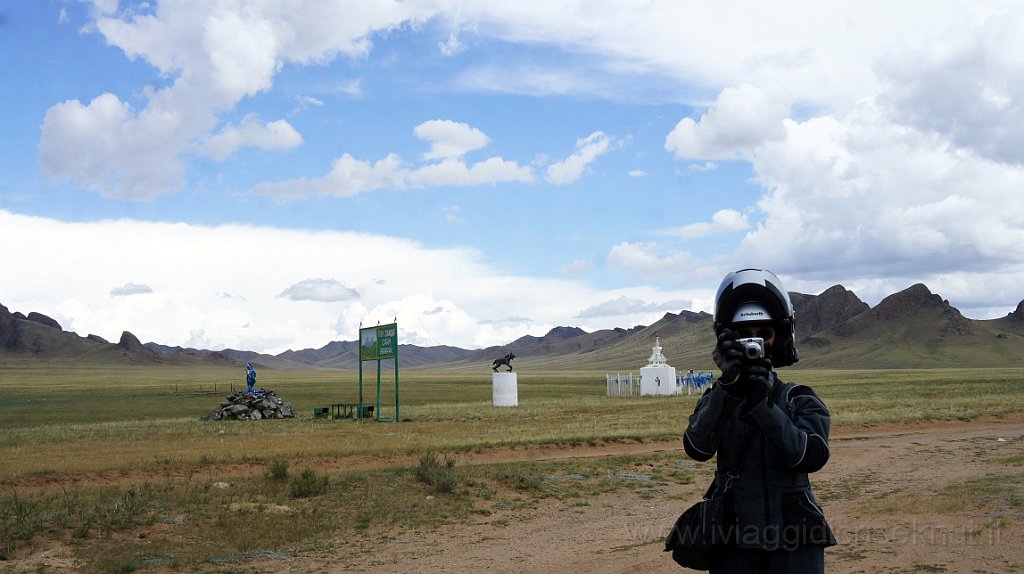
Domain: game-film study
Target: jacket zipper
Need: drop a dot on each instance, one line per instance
(764, 480)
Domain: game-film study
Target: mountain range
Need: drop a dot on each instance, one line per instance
(913, 328)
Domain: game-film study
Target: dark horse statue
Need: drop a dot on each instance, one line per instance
(506, 360)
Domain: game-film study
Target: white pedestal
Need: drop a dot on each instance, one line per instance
(505, 391)
(658, 381)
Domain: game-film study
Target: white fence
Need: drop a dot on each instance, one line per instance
(628, 385)
(622, 386)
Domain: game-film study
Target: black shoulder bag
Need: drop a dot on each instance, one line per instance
(706, 529)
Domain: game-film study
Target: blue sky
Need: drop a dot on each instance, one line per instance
(267, 175)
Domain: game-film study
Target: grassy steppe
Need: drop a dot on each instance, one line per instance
(61, 420)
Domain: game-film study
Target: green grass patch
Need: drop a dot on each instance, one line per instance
(990, 492)
(61, 418)
(230, 522)
(125, 418)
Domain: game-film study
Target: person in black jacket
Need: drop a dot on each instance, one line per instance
(777, 525)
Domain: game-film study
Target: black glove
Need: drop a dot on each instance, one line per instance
(728, 355)
(755, 380)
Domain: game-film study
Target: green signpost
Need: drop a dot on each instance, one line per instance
(377, 344)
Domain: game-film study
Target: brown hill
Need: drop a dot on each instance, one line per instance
(915, 310)
(826, 311)
(39, 336)
(913, 328)
(43, 320)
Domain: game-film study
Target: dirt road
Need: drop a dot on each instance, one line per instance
(908, 467)
(935, 497)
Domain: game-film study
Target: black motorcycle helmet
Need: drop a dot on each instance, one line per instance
(759, 289)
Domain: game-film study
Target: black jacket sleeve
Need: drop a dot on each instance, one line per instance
(701, 439)
(799, 429)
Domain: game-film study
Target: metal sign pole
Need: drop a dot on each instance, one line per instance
(376, 344)
(398, 417)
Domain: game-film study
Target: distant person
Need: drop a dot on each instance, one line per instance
(250, 378)
(778, 431)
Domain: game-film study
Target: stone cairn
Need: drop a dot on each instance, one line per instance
(257, 405)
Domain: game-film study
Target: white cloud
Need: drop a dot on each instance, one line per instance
(348, 177)
(306, 101)
(742, 119)
(105, 146)
(192, 306)
(211, 56)
(571, 168)
(648, 260)
(352, 88)
(214, 56)
(628, 306)
(723, 221)
(451, 46)
(455, 172)
(913, 183)
(130, 289)
(860, 194)
(964, 83)
(637, 173)
(322, 290)
(449, 140)
(666, 264)
(276, 135)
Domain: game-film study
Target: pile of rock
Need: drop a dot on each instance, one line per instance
(257, 405)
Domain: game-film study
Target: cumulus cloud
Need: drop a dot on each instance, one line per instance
(449, 142)
(276, 135)
(862, 194)
(108, 147)
(448, 139)
(348, 177)
(969, 91)
(454, 172)
(130, 289)
(723, 221)
(628, 306)
(648, 260)
(637, 173)
(741, 119)
(323, 290)
(666, 263)
(213, 57)
(203, 301)
(587, 150)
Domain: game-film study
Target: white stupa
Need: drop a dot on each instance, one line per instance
(657, 378)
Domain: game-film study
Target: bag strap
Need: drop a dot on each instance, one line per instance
(734, 470)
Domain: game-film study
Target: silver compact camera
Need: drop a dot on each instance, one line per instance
(753, 347)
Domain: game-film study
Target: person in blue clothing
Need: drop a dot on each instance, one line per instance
(778, 432)
(250, 378)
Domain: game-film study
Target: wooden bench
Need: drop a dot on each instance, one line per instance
(351, 410)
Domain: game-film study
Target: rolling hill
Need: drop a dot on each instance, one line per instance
(913, 328)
